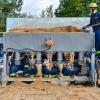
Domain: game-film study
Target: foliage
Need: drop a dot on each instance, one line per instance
(9, 8)
(48, 12)
(25, 15)
(74, 8)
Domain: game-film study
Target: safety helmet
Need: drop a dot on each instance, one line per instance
(92, 5)
(26, 66)
(55, 63)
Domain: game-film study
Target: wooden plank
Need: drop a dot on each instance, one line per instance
(20, 79)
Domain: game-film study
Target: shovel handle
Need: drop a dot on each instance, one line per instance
(93, 25)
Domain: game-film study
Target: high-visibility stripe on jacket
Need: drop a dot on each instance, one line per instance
(12, 74)
(97, 52)
(26, 66)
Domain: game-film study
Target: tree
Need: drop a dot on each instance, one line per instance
(74, 8)
(43, 13)
(48, 12)
(9, 8)
(25, 15)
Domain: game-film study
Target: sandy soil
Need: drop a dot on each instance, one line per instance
(55, 29)
(39, 90)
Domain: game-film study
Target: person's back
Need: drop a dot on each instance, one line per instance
(54, 70)
(66, 71)
(45, 71)
(77, 68)
(33, 71)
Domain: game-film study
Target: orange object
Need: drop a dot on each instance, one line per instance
(49, 43)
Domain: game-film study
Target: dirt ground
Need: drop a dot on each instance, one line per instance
(39, 90)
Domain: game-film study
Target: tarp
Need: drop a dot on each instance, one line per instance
(69, 41)
(63, 41)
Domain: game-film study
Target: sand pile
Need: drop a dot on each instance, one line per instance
(55, 29)
(18, 84)
(38, 84)
(44, 85)
(53, 92)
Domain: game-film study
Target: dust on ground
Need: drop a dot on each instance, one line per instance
(39, 90)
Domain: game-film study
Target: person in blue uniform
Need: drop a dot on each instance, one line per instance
(76, 67)
(14, 69)
(45, 71)
(33, 71)
(95, 19)
(66, 70)
(88, 65)
(55, 71)
(24, 66)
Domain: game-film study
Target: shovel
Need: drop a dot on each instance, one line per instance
(91, 26)
(83, 30)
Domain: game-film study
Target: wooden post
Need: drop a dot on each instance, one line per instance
(49, 57)
(71, 57)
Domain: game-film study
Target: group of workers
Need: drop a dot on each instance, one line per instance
(28, 67)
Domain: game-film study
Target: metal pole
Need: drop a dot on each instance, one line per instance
(17, 58)
(4, 70)
(93, 69)
(81, 56)
(38, 58)
(60, 58)
(38, 64)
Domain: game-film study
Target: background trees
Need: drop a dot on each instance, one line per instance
(74, 8)
(48, 12)
(9, 8)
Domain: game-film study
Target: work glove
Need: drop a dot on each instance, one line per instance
(84, 27)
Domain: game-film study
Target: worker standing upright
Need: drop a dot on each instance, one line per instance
(95, 19)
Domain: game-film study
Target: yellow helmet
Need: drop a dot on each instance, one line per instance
(92, 5)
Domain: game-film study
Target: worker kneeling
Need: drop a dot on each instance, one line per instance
(33, 71)
(25, 67)
(30, 71)
(76, 67)
(66, 71)
(55, 71)
(45, 71)
(13, 70)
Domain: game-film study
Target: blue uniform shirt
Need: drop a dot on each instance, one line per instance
(94, 19)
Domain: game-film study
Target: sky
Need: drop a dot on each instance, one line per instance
(36, 6)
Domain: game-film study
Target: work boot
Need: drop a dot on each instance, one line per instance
(32, 76)
(46, 76)
(12, 75)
